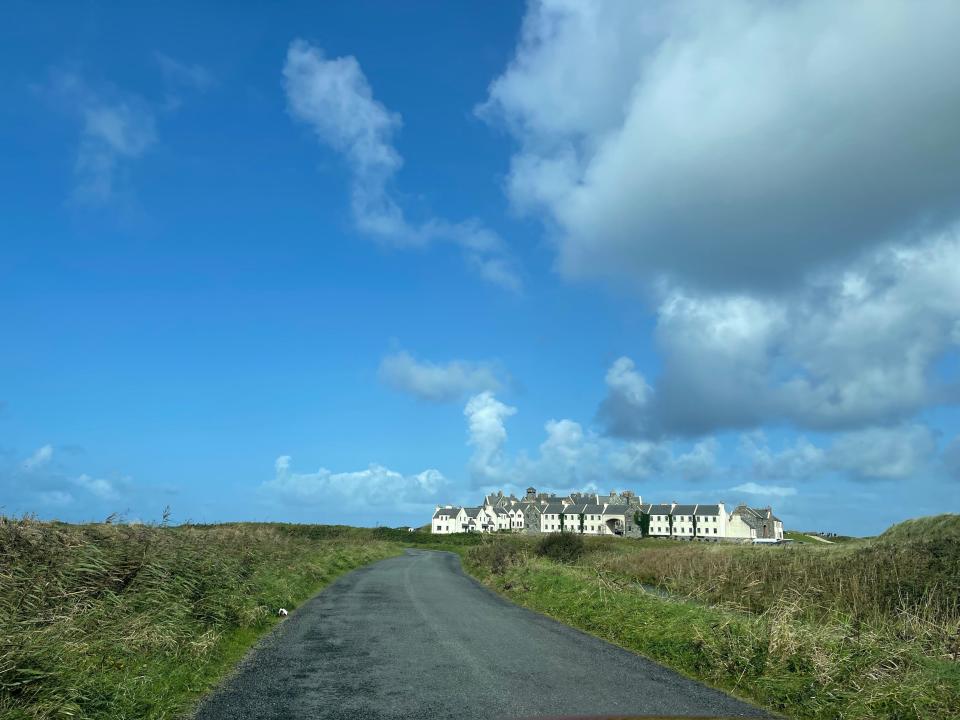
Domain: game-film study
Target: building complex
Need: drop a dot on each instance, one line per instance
(622, 514)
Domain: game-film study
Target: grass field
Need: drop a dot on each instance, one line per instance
(122, 622)
(867, 629)
(128, 623)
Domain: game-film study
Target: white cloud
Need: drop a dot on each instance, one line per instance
(487, 435)
(334, 98)
(731, 145)
(699, 463)
(753, 488)
(375, 486)
(568, 458)
(894, 453)
(115, 129)
(639, 459)
(800, 461)
(100, 487)
(437, 382)
(39, 459)
(55, 498)
(190, 75)
(853, 349)
(899, 452)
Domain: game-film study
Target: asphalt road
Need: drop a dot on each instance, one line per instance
(413, 637)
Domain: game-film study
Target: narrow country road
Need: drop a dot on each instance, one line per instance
(413, 637)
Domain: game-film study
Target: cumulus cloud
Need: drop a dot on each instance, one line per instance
(39, 459)
(45, 481)
(699, 463)
(487, 434)
(333, 97)
(375, 486)
(897, 453)
(568, 457)
(436, 382)
(733, 145)
(854, 349)
(801, 460)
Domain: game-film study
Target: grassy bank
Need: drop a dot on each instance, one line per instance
(120, 622)
(860, 630)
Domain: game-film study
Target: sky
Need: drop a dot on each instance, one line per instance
(341, 262)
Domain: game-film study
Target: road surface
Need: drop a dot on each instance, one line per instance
(414, 637)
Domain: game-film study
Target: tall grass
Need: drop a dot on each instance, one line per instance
(108, 621)
(911, 590)
(861, 630)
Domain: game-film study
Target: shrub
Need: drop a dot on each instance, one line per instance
(495, 556)
(562, 547)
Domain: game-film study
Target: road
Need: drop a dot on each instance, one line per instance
(414, 637)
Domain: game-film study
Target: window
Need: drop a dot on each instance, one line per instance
(714, 531)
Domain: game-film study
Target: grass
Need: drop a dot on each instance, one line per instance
(865, 629)
(120, 622)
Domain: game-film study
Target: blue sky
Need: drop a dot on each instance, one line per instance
(342, 261)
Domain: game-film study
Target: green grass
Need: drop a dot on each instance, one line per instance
(119, 622)
(944, 526)
(868, 629)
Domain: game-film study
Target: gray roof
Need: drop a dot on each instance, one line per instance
(755, 517)
(473, 512)
(685, 510)
(452, 512)
(592, 509)
(660, 509)
(708, 509)
(500, 511)
(616, 510)
(556, 508)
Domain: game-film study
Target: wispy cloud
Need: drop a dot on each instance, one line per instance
(116, 128)
(437, 382)
(39, 459)
(752, 488)
(334, 98)
(193, 75)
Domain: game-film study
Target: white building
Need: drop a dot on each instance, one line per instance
(621, 514)
(448, 519)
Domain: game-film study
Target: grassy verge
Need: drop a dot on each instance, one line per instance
(774, 625)
(121, 622)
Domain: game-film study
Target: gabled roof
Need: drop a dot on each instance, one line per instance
(473, 512)
(708, 509)
(592, 509)
(685, 510)
(554, 507)
(660, 509)
(451, 512)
